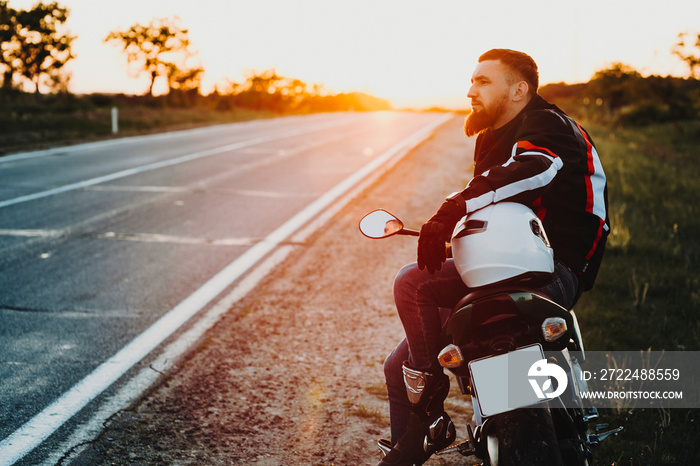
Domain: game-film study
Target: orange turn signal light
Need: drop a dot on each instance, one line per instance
(451, 356)
(553, 328)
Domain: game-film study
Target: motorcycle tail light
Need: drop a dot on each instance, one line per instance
(451, 356)
(553, 328)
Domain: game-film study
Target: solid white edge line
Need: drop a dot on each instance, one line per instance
(147, 376)
(42, 425)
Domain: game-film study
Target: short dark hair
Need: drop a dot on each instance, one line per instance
(521, 64)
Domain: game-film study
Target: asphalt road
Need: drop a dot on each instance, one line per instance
(100, 241)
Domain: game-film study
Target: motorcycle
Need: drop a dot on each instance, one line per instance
(518, 355)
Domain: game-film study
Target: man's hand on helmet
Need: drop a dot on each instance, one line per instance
(435, 233)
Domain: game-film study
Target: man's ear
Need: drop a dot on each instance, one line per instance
(520, 91)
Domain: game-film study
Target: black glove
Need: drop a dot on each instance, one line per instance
(435, 233)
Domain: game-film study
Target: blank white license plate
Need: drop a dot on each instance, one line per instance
(501, 382)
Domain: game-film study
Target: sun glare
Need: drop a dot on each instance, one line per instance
(384, 117)
(413, 53)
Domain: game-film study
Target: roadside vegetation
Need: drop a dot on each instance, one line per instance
(647, 296)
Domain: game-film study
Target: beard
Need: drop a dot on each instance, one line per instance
(478, 121)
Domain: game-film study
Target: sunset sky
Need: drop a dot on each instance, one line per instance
(413, 52)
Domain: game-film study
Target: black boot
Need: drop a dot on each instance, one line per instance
(429, 428)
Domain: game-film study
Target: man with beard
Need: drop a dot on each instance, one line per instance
(527, 151)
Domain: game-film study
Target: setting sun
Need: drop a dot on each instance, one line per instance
(409, 52)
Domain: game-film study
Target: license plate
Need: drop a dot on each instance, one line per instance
(501, 382)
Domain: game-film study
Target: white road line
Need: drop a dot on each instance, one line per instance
(141, 189)
(146, 377)
(157, 238)
(186, 189)
(32, 233)
(41, 426)
(163, 164)
(271, 194)
(169, 135)
(141, 237)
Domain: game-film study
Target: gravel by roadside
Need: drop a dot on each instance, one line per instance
(292, 374)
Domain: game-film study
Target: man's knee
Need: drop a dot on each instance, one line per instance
(407, 276)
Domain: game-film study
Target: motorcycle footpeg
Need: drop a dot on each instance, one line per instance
(590, 414)
(467, 448)
(595, 439)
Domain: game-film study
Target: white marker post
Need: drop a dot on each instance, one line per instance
(115, 120)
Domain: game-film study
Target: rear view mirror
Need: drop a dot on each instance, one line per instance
(380, 224)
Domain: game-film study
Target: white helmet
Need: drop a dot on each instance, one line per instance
(499, 242)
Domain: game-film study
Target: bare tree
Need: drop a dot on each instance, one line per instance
(161, 48)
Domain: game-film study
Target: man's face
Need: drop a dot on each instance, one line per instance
(490, 96)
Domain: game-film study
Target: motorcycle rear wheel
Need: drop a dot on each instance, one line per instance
(524, 437)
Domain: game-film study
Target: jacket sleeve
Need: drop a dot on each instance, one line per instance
(535, 159)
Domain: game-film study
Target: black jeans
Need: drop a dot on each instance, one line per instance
(424, 301)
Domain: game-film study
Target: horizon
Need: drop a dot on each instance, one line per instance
(409, 53)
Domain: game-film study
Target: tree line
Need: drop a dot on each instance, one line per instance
(162, 49)
(621, 95)
(35, 46)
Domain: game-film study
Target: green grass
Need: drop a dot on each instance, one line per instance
(647, 294)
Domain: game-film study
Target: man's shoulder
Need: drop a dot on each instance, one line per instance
(547, 116)
(550, 112)
(552, 124)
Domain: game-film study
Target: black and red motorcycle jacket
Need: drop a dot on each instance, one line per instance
(547, 161)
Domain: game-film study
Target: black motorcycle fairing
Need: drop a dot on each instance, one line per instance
(489, 322)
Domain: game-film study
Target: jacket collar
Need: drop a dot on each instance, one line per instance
(536, 103)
